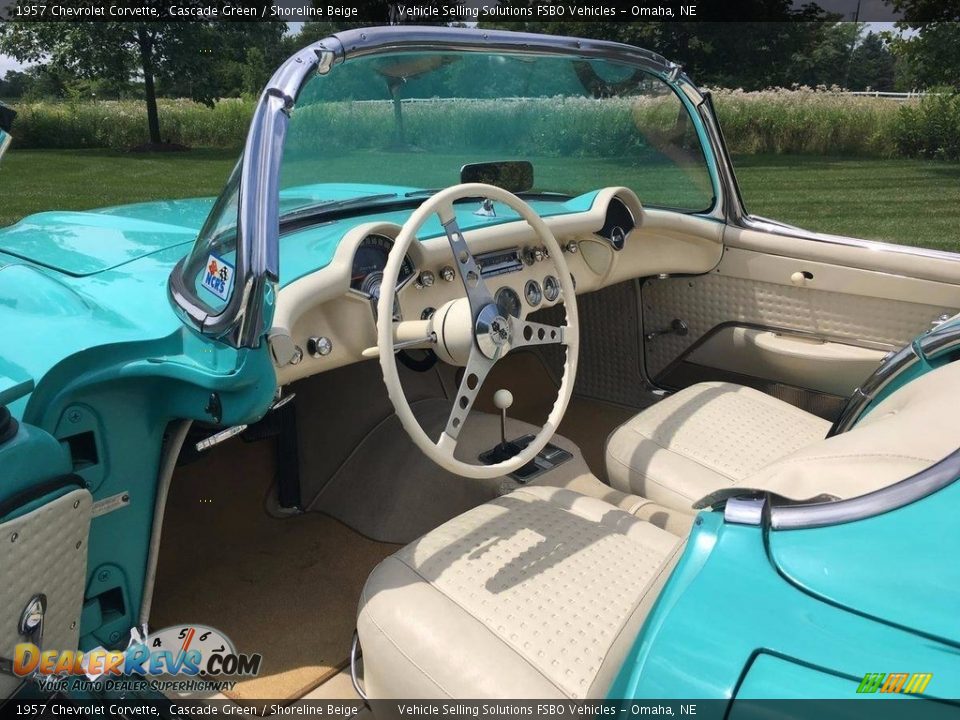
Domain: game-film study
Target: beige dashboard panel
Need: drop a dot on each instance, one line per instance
(322, 304)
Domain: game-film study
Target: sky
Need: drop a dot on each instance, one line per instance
(8, 63)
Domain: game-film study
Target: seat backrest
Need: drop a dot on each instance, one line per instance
(913, 428)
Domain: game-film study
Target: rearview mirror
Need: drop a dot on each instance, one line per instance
(514, 175)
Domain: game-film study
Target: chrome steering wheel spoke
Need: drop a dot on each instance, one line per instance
(524, 333)
(478, 367)
(478, 294)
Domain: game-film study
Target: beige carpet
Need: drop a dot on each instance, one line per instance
(285, 588)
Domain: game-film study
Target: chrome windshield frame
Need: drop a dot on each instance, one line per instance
(248, 313)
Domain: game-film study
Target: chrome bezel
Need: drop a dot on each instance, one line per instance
(551, 288)
(532, 286)
(505, 290)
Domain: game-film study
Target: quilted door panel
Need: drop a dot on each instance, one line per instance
(709, 300)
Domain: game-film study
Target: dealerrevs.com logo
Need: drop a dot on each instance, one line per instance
(906, 683)
(186, 651)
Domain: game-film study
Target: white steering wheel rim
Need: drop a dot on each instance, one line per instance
(442, 452)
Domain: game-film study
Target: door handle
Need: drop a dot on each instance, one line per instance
(677, 327)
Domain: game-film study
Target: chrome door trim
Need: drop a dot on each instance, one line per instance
(752, 222)
(934, 344)
(909, 490)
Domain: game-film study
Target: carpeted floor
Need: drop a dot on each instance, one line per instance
(285, 588)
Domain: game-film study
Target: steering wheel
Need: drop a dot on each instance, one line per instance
(471, 332)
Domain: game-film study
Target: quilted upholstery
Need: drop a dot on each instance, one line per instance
(706, 437)
(706, 301)
(44, 551)
(711, 437)
(539, 593)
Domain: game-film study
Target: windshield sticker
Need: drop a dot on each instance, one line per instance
(218, 277)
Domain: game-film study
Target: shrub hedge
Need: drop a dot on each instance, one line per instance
(799, 121)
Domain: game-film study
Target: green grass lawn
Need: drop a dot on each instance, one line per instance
(36, 180)
(905, 201)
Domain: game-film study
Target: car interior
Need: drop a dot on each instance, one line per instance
(713, 362)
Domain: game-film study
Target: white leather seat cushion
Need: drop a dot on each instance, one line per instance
(715, 436)
(706, 437)
(907, 432)
(537, 594)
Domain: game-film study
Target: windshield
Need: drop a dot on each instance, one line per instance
(391, 127)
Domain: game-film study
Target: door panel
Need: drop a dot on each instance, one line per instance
(45, 552)
(803, 323)
(784, 357)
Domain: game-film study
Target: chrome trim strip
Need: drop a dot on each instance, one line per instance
(729, 203)
(911, 489)
(5, 140)
(904, 359)
(243, 320)
(356, 653)
(750, 222)
(935, 343)
(369, 41)
(744, 511)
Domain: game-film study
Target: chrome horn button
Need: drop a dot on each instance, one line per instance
(492, 331)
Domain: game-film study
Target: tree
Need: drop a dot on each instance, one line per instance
(176, 52)
(752, 55)
(930, 55)
(873, 66)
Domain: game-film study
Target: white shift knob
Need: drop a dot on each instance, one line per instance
(503, 399)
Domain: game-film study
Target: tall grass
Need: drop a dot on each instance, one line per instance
(931, 128)
(120, 125)
(799, 121)
(807, 121)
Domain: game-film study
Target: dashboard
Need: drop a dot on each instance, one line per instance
(327, 319)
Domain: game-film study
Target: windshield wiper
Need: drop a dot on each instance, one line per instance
(322, 207)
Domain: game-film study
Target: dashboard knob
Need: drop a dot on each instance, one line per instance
(448, 274)
(427, 279)
(571, 247)
(538, 254)
(319, 346)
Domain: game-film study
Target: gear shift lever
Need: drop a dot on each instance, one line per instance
(502, 400)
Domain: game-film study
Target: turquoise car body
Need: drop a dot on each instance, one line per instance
(91, 340)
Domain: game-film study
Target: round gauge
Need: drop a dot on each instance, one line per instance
(618, 237)
(533, 292)
(369, 262)
(551, 288)
(508, 302)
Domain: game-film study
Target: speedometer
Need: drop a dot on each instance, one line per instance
(369, 262)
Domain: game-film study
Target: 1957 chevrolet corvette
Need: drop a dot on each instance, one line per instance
(480, 355)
